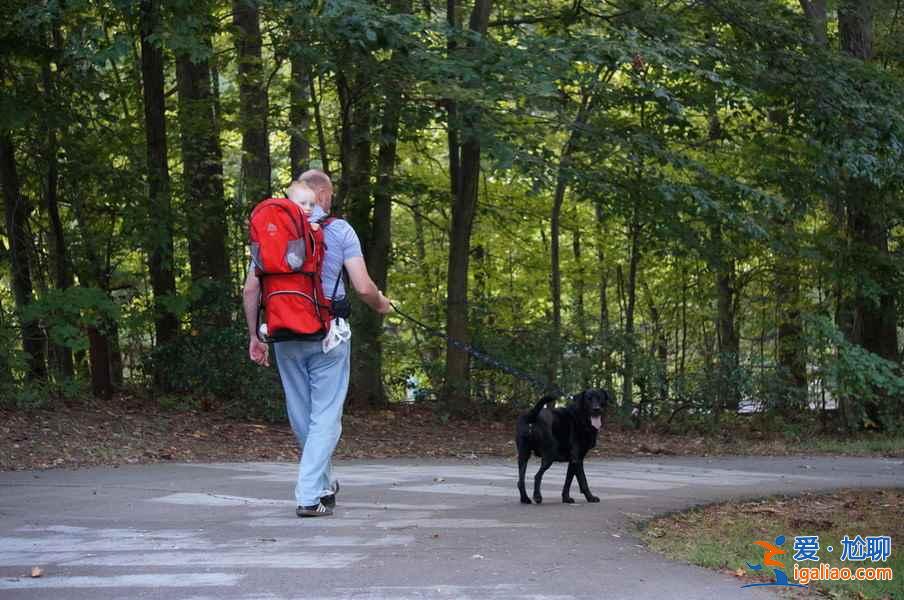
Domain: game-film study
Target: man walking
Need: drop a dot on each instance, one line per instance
(315, 382)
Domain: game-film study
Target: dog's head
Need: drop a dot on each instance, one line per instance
(592, 404)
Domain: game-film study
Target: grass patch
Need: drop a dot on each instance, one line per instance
(721, 536)
(886, 445)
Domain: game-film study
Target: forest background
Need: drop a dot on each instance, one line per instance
(696, 204)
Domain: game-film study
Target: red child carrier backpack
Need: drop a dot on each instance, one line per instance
(288, 255)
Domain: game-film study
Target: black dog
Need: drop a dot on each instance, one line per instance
(560, 435)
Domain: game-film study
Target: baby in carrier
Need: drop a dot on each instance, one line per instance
(304, 197)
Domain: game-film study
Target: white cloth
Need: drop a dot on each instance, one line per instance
(339, 332)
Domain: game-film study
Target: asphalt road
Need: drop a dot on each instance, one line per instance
(403, 529)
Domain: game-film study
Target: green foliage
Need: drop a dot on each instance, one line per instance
(855, 376)
(717, 132)
(64, 315)
(212, 368)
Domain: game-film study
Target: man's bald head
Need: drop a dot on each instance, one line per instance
(317, 180)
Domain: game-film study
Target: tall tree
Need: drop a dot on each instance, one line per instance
(159, 226)
(202, 165)
(464, 169)
(63, 276)
(17, 210)
(299, 109)
(355, 80)
(253, 102)
(634, 250)
(728, 338)
(791, 346)
(868, 317)
(586, 104)
(604, 333)
(367, 354)
(579, 310)
(817, 16)
(875, 318)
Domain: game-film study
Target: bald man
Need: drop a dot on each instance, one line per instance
(316, 382)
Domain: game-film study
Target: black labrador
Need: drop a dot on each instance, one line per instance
(560, 435)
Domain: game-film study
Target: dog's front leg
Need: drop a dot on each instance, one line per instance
(582, 481)
(522, 467)
(566, 491)
(538, 497)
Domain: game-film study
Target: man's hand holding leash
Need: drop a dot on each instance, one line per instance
(385, 305)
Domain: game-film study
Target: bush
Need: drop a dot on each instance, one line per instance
(868, 387)
(213, 368)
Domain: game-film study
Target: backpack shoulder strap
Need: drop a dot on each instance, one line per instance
(343, 274)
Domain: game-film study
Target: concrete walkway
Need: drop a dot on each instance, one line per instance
(403, 529)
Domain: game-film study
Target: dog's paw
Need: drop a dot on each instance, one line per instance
(538, 499)
(592, 498)
(525, 500)
(568, 500)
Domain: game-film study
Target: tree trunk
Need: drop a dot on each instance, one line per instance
(558, 199)
(253, 103)
(6, 372)
(815, 10)
(159, 233)
(104, 357)
(205, 204)
(727, 335)
(874, 320)
(683, 361)
(555, 280)
(17, 210)
(63, 278)
(792, 348)
(579, 313)
(631, 291)
(464, 205)
(354, 200)
(660, 346)
(99, 354)
(299, 115)
(605, 327)
(367, 352)
(321, 136)
(855, 28)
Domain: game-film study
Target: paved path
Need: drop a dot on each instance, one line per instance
(404, 529)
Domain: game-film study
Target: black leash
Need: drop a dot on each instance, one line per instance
(542, 385)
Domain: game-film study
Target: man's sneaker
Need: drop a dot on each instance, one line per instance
(329, 500)
(317, 510)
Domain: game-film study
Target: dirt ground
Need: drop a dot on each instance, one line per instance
(127, 431)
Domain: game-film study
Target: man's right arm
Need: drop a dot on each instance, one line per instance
(258, 351)
(365, 286)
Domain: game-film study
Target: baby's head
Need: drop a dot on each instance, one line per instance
(303, 196)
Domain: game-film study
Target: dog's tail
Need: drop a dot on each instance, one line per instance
(535, 411)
